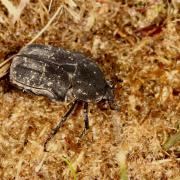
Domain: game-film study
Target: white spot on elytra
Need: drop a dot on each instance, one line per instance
(79, 91)
(50, 83)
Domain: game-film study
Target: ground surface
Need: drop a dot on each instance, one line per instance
(137, 45)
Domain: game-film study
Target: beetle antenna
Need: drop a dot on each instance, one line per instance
(60, 124)
(113, 106)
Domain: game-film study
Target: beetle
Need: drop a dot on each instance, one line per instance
(61, 75)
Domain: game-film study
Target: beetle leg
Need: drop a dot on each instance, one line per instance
(59, 124)
(86, 120)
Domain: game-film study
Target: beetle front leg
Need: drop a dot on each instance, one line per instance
(60, 123)
(86, 120)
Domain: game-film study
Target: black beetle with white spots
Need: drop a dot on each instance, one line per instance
(61, 75)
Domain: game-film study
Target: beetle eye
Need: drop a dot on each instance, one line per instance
(111, 83)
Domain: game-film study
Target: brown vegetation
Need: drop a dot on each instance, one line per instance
(137, 44)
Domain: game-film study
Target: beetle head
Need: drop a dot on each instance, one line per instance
(109, 96)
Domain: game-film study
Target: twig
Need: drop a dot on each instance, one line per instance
(47, 25)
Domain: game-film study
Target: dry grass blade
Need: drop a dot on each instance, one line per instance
(171, 141)
(70, 166)
(14, 11)
(4, 66)
(47, 25)
(163, 161)
(121, 157)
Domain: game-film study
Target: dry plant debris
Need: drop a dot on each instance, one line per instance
(137, 44)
